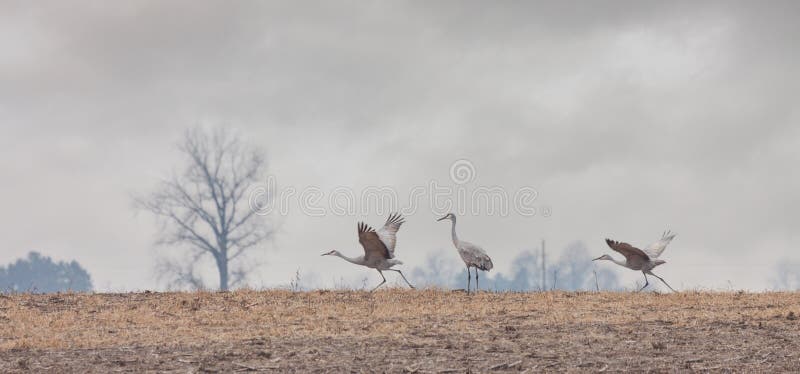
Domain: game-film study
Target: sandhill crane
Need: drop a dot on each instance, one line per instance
(637, 259)
(378, 247)
(473, 255)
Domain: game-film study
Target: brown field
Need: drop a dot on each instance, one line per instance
(400, 331)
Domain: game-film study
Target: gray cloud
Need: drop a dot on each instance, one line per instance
(627, 117)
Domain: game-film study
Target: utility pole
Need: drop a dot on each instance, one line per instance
(544, 268)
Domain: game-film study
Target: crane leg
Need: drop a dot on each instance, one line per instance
(381, 284)
(469, 278)
(404, 277)
(477, 284)
(645, 282)
(663, 281)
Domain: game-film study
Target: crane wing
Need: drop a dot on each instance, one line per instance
(654, 250)
(630, 252)
(388, 233)
(474, 255)
(373, 246)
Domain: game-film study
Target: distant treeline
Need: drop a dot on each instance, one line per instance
(40, 274)
(572, 270)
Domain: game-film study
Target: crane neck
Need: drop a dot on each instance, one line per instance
(620, 263)
(455, 237)
(356, 260)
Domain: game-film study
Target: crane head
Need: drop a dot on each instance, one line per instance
(448, 216)
(330, 253)
(603, 257)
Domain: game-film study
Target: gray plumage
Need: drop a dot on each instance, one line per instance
(472, 255)
(378, 247)
(642, 260)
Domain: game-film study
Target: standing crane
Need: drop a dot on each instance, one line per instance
(473, 255)
(637, 259)
(378, 247)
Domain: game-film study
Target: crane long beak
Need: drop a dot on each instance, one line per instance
(441, 218)
(598, 258)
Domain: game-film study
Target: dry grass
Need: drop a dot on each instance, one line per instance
(399, 330)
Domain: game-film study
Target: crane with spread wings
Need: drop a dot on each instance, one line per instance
(378, 247)
(643, 260)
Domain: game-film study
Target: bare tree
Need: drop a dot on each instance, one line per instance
(205, 207)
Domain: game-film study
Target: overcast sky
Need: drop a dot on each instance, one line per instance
(628, 118)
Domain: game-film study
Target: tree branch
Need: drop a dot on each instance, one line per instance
(201, 208)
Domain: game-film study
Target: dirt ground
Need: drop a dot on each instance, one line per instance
(400, 331)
